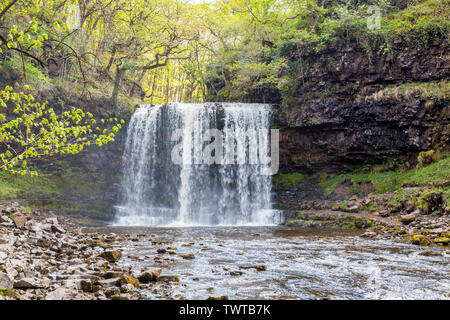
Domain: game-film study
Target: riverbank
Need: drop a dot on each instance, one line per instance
(44, 255)
(395, 200)
(413, 227)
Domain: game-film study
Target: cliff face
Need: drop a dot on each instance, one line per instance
(345, 106)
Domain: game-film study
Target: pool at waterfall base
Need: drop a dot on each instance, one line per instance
(278, 262)
(213, 232)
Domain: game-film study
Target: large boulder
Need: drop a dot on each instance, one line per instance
(6, 281)
(30, 283)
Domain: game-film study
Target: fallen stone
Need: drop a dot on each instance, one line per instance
(257, 267)
(107, 283)
(218, 298)
(19, 221)
(6, 281)
(30, 283)
(112, 292)
(150, 276)
(124, 280)
(369, 234)
(121, 297)
(86, 286)
(56, 229)
(169, 278)
(188, 256)
(407, 218)
(112, 255)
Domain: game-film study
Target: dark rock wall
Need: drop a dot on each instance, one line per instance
(335, 115)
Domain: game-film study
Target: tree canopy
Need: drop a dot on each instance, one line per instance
(172, 50)
(155, 51)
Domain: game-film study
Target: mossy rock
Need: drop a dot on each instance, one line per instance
(430, 201)
(426, 158)
(169, 279)
(442, 240)
(300, 223)
(127, 280)
(348, 226)
(112, 256)
(420, 239)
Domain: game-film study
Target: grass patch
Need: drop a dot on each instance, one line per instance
(438, 91)
(286, 180)
(436, 175)
(15, 186)
(64, 182)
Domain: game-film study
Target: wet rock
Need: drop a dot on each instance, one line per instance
(127, 280)
(112, 274)
(128, 288)
(86, 286)
(304, 223)
(150, 276)
(112, 292)
(257, 267)
(217, 298)
(442, 240)
(430, 253)
(188, 256)
(161, 251)
(120, 297)
(112, 255)
(169, 278)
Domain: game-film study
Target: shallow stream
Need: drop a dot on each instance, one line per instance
(292, 264)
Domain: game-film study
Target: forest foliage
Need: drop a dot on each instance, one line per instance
(156, 51)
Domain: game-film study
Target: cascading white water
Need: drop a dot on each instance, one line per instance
(158, 190)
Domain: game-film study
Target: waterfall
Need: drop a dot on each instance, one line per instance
(196, 164)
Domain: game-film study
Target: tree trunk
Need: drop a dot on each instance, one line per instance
(115, 94)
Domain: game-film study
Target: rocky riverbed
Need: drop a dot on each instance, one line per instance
(48, 256)
(44, 256)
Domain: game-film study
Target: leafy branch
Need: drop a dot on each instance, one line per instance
(36, 130)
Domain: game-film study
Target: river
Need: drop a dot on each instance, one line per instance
(292, 264)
